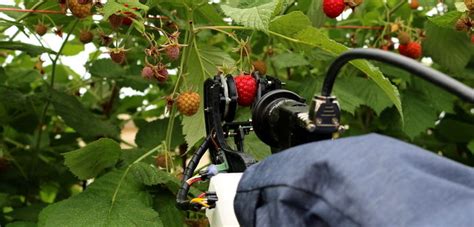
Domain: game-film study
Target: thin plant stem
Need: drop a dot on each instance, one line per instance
(48, 101)
(184, 59)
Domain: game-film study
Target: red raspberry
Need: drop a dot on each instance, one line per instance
(115, 20)
(246, 89)
(128, 19)
(105, 39)
(411, 50)
(161, 73)
(129, 16)
(41, 29)
(147, 72)
(414, 4)
(472, 38)
(333, 8)
(172, 51)
(58, 30)
(118, 55)
(86, 36)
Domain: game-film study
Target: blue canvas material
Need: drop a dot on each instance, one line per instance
(370, 180)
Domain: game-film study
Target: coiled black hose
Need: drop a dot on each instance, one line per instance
(181, 199)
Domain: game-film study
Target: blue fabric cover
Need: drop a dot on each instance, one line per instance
(369, 180)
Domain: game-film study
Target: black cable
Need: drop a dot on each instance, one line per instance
(181, 197)
(449, 84)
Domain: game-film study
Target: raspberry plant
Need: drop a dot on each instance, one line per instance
(63, 161)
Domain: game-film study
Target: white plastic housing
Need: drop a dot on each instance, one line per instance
(225, 186)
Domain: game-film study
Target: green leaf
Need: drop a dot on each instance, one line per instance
(153, 134)
(203, 64)
(395, 73)
(256, 15)
(470, 146)
(323, 42)
(92, 159)
(290, 24)
(316, 14)
(133, 81)
(173, 184)
(164, 203)
(447, 20)
(97, 205)
(4, 117)
(23, 78)
(106, 68)
(3, 198)
(111, 7)
(63, 74)
(129, 156)
(48, 192)
(21, 224)
(73, 47)
(351, 92)
(79, 118)
(139, 26)
(448, 48)
(208, 14)
(454, 130)
(440, 99)
(419, 115)
(134, 4)
(256, 148)
(355, 91)
(3, 75)
(19, 110)
(27, 213)
(31, 50)
(288, 60)
(129, 104)
(147, 174)
(306, 37)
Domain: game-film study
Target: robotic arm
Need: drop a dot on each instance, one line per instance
(281, 118)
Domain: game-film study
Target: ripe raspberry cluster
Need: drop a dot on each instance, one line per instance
(246, 89)
(408, 47)
(466, 22)
(411, 50)
(158, 72)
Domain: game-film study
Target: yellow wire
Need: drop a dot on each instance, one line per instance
(200, 201)
(204, 204)
(196, 200)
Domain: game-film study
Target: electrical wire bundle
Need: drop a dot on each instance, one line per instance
(205, 200)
